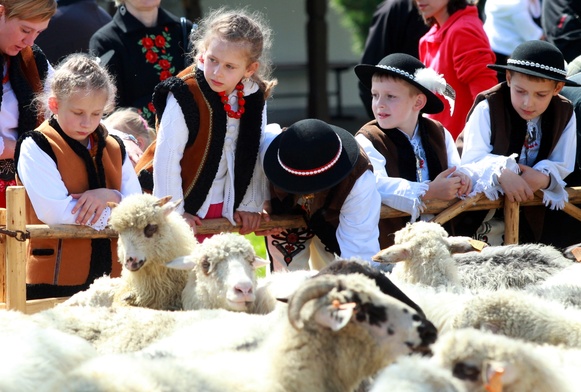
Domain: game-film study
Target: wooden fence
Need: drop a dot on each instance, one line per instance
(15, 233)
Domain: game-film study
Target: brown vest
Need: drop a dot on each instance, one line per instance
(68, 262)
(400, 161)
(323, 218)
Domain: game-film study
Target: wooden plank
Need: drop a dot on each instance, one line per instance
(511, 220)
(37, 305)
(457, 208)
(15, 250)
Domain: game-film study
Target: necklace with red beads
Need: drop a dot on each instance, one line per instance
(241, 102)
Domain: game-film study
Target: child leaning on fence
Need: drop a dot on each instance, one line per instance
(520, 137)
(211, 121)
(71, 168)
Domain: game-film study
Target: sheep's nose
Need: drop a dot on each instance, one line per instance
(132, 264)
(243, 288)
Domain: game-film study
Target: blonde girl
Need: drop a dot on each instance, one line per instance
(211, 121)
(71, 168)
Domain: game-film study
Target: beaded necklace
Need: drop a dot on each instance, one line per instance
(241, 102)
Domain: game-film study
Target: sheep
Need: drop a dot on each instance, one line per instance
(340, 329)
(416, 374)
(482, 359)
(151, 233)
(30, 354)
(221, 274)
(433, 258)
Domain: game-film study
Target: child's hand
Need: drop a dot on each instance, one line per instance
(534, 178)
(444, 187)
(465, 183)
(514, 186)
(248, 221)
(266, 217)
(92, 203)
(193, 221)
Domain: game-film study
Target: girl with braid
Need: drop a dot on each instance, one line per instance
(71, 168)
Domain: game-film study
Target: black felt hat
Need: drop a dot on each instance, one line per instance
(412, 71)
(537, 58)
(310, 156)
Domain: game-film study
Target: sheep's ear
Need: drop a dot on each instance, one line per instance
(393, 254)
(498, 374)
(259, 262)
(162, 201)
(112, 204)
(182, 263)
(171, 206)
(335, 316)
(465, 244)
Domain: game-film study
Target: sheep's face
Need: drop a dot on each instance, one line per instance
(356, 306)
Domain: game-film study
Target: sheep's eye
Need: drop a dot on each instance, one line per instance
(206, 266)
(466, 372)
(150, 230)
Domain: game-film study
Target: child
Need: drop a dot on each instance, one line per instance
(414, 158)
(135, 132)
(318, 170)
(520, 135)
(207, 154)
(71, 169)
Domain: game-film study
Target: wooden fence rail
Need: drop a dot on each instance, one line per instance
(13, 250)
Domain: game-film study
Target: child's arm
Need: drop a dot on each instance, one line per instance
(514, 186)
(445, 186)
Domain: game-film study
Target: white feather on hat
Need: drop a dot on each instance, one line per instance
(436, 83)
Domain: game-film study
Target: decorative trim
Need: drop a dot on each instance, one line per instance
(315, 171)
(396, 70)
(537, 65)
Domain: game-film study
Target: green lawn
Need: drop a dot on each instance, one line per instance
(260, 249)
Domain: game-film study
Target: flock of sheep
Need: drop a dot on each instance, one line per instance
(187, 316)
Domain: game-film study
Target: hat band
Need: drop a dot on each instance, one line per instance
(537, 65)
(312, 172)
(396, 70)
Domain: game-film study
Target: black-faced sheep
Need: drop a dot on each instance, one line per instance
(339, 330)
(425, 254)
(151, 233)
(221, 274)
(482, 359)
(31, 355)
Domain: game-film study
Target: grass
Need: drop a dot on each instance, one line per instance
(260, 249)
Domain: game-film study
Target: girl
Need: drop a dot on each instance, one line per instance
(211, 124)
(71, 169)
(23, 67)
(456, 47)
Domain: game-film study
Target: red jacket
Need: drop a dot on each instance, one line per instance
(460, 51)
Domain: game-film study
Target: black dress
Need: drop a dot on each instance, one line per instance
(140, 57)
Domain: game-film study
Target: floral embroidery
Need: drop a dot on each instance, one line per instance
(155, 48)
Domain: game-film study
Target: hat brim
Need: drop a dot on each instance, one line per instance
(365, 74)
(530, 72)
(303, 185)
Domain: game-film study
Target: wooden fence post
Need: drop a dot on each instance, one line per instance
(15, 250)
(511, 219)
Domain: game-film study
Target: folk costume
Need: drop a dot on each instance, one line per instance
(318, 171)
(51, 166)
(140, 57)
(496, 137)
(202, 156)
(22, 79)
(403, 166)
(459, 50)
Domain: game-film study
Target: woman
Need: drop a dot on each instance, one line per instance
(142, 46)
(457, 47)
(24, 66)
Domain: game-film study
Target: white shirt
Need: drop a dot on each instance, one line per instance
(400, 193)
(477, 155)
(46, 189)
(172, 137)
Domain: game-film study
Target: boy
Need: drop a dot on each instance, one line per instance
(520, 135)
(414, 158)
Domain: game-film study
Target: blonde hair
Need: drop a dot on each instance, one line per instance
(381, 76)
(29, 9)
(128, 120)
(243, 27)
(78, 72)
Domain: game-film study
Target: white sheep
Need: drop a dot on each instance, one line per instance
(416, 374)
(482, 359)
(31, 355)
(425, 254)
(340, 329)
(151, 233)
(221, 274)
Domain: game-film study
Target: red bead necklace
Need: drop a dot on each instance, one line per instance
(241, 102)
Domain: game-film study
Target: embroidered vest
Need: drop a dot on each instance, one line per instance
(401, 161)
(206, 121)
(64, 267)
(323, 219)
